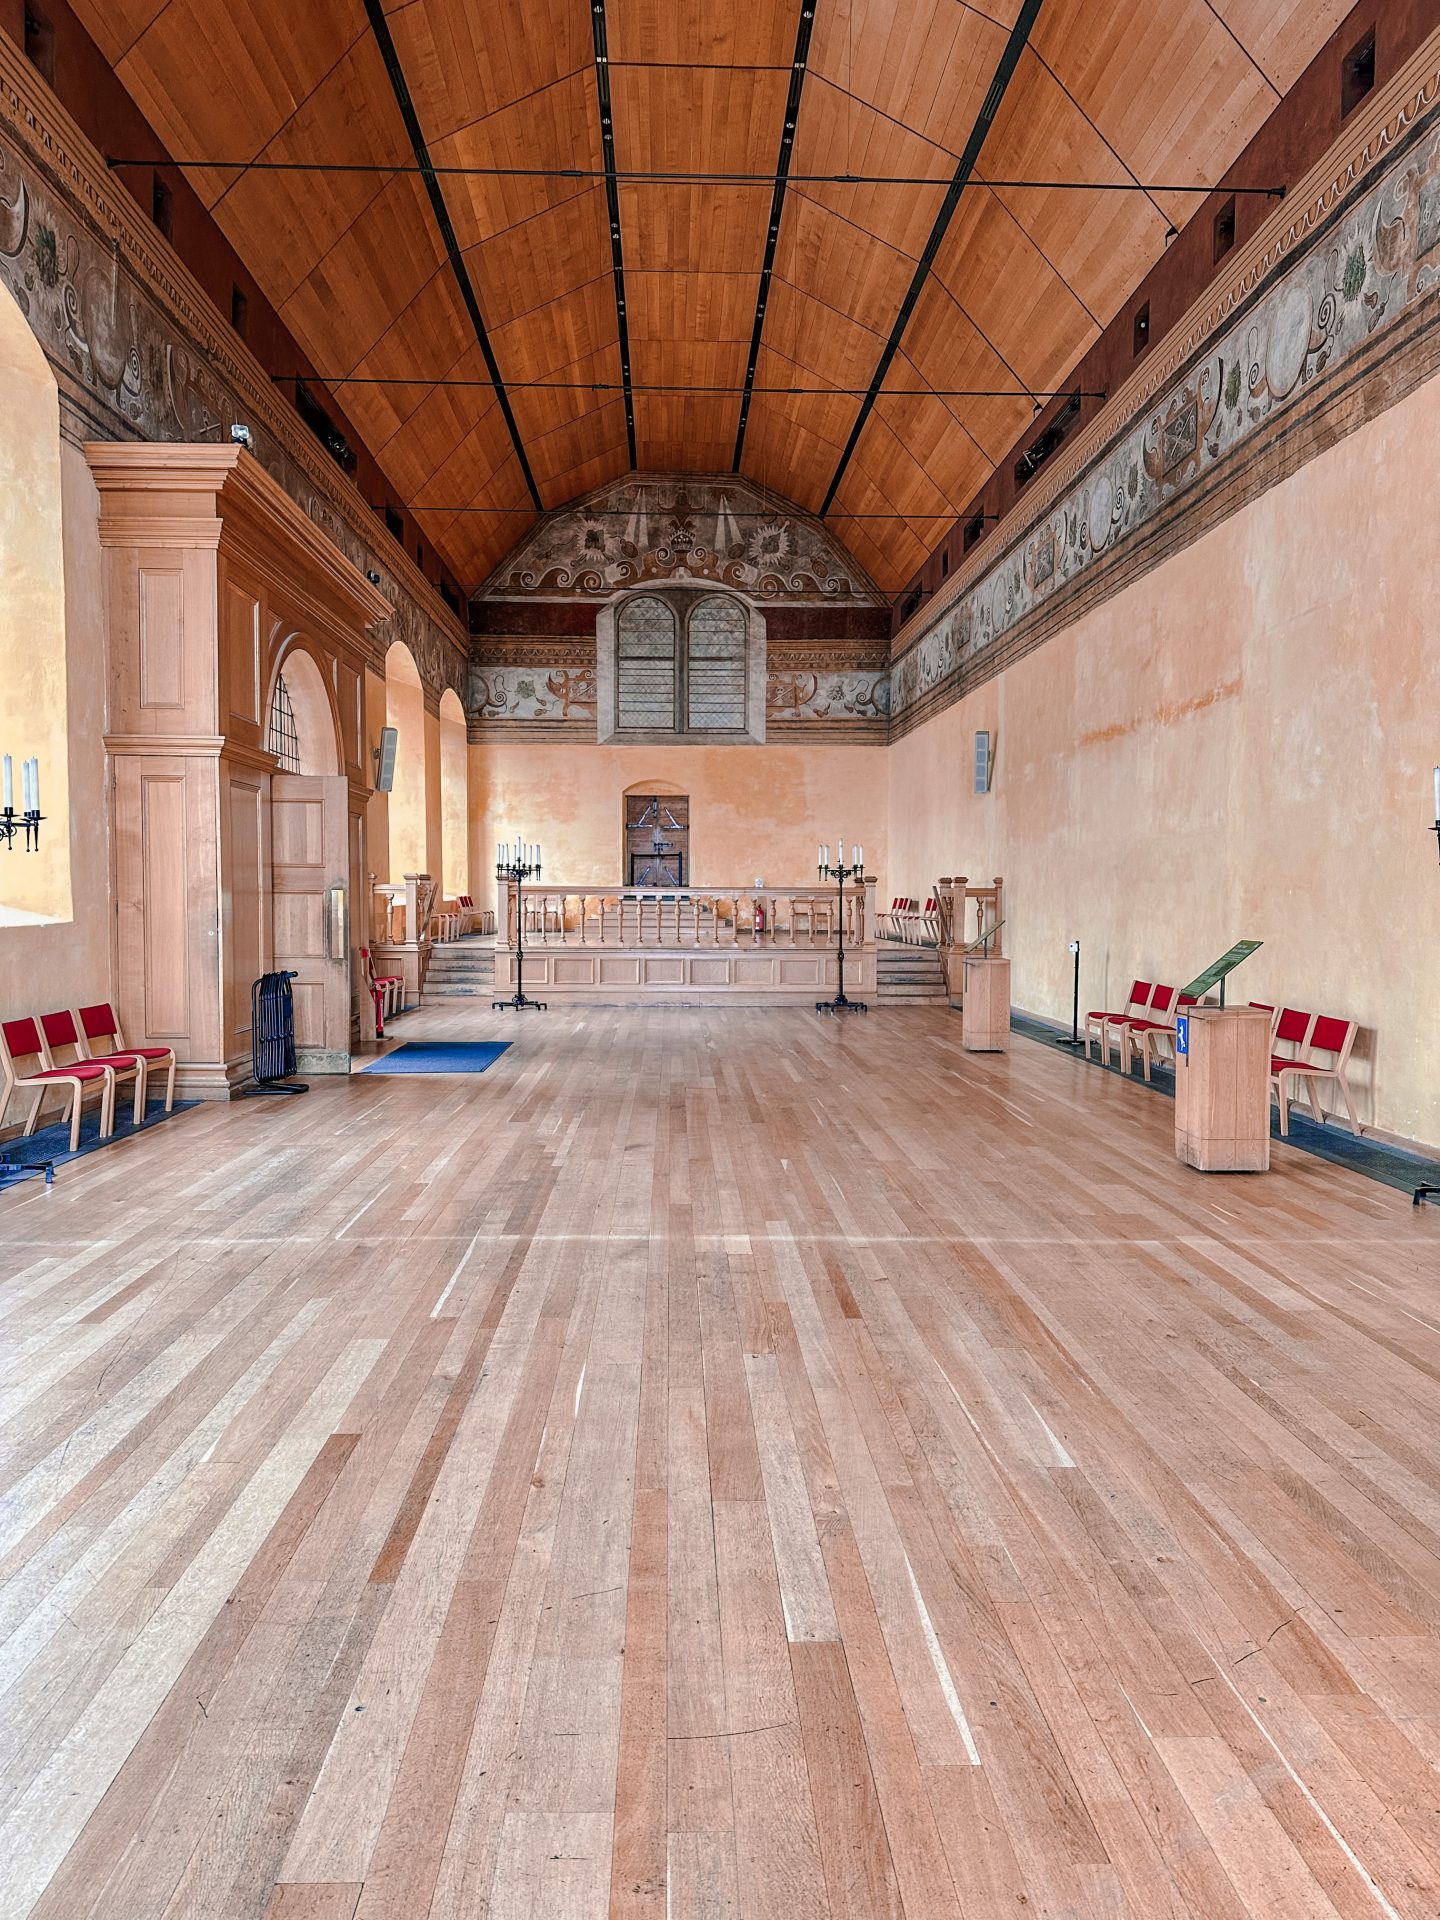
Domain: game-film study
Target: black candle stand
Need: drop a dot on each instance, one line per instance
(841, 1003)
(519, 871)
(28, 822)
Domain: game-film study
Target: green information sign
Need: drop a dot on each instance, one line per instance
(1216, 972)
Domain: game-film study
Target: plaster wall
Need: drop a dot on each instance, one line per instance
(410, 796)
(755, 812)
(1238, 746)
(69, 960)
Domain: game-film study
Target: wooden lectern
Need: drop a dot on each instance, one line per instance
(1222, 1089)
(986, 1027)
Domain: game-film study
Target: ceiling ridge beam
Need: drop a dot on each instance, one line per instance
(612, 204)
(389, 54)
(965, 166)
(804, 26)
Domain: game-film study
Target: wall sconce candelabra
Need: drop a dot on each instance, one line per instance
(518, 863)
(1437, 809)
(29, 817)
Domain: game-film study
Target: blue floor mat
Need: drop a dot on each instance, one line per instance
(1335, 1143)
(438, 1056)
(53, 1142)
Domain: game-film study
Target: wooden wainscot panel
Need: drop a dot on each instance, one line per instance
(710, 972)
(802, 970)
(160, 622)
(242, 648)
(754, 970)
(573, 970)
(619, 970)
(663, 971)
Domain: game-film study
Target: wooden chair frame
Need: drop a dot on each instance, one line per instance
(99, 1022)
(81, 1076)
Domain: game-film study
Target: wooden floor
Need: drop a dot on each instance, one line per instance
(716, 1464)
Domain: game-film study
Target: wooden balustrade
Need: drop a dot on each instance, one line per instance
(400, 928)
(634, 944)
(972, 919)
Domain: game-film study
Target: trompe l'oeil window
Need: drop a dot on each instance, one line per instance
(680, 665)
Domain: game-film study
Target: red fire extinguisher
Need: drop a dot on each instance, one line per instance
(759, 916)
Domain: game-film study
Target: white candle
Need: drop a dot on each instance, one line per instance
(35, 785)
(860, 857)
(10, 783)
(1437, 791)
(27, 774)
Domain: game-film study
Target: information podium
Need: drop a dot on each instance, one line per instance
(985, 1027)
(1222, 1089)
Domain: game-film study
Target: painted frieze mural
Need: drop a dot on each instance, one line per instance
(140, 354)
(1363, 266)
(661, 528)
(797, 694)
(532, 693)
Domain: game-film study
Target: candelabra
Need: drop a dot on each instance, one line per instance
(519, 867)
(27, 820)
(840, 873)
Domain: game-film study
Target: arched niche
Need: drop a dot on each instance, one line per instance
(405, 711)
(454, 797)
(34, 886)
(302, 727)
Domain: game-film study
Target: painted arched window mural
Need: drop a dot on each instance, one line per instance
(682, 664)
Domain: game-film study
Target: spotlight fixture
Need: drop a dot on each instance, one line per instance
(242, 436)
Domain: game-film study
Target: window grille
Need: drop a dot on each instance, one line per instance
(282, 737)
(646, 668)
(715, 667)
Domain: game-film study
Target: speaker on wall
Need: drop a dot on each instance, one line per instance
(385, 760)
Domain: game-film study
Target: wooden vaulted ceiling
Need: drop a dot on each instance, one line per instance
(359, 266)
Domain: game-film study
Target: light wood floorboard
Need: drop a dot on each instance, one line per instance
(715, 1465)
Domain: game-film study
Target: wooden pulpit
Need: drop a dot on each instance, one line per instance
(986, 1026)
(1222, 1089)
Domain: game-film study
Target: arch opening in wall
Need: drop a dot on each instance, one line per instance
(405, 711)
(679, 663)
(34, 885)
(454, 797)
(301, 729)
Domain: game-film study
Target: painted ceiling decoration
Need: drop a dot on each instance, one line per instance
(659, 527)
(473, 173)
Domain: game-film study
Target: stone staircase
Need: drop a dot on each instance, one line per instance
(461, 969)
(909, 976)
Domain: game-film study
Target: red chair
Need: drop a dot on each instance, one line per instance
(385, 989)
(105, 1040)
(22, 1041)
(1162, 1002)
(1311, 1033)
(1098, 1022)
(62, 1037)
(1155, 1034)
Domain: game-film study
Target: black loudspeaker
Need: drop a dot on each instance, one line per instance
(385, 760)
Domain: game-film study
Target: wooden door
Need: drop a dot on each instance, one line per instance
(657, 840)
(310, 901)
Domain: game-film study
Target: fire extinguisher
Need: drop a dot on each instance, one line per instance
(759, 916)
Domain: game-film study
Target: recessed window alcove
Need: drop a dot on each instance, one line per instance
(680, 663)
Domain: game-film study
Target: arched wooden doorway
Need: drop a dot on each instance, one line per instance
(310, 904)
(657, 838)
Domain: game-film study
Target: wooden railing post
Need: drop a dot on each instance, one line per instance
(997, 952)
(950, 896)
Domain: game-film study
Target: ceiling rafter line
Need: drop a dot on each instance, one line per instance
(984, 120)
(295, 113)
(1108, 144)
(612, 203)
(803, 29)
(390, 56)
(1243, 48)
(672, 386)
(693, 178)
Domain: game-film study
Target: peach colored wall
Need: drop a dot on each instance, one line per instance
(377, 808)
(70, 960)
(32, 618)
(1238, 746)
(755, 812)
(454, 769)
(434, 829)
(409, 797)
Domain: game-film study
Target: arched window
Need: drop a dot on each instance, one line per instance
(684, 663)
(282, 738)
(647, 674)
